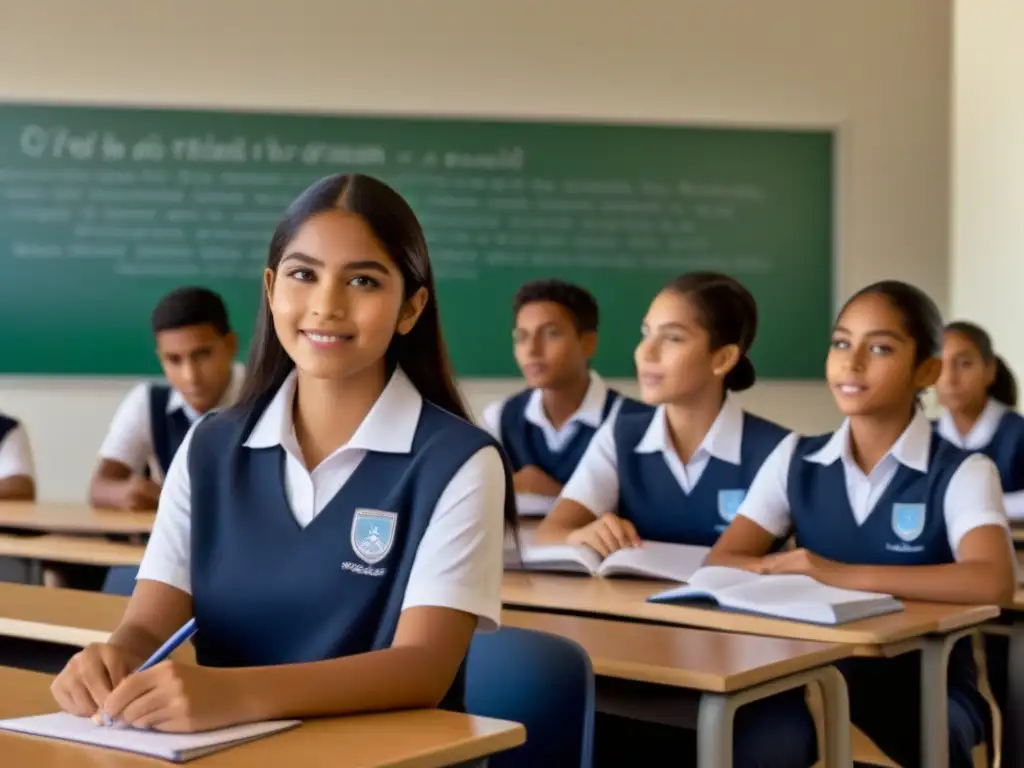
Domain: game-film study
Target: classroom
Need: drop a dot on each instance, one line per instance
(670, 240)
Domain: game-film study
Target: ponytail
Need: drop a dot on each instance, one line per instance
(1004, 387)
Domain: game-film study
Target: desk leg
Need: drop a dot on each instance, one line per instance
(1013, 719)
(716, 713)
(35, 572)
(934, 697)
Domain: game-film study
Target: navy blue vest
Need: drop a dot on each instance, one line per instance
(168, 429)
(6, 425)
(651, 498)
(266, 591)
(1006, 449)
(907, 526)
(524, 441)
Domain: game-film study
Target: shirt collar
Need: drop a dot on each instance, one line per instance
(176, 400)
(590, 412)
(724, 440)
(911, 448)
(980, 434)
(389, 427)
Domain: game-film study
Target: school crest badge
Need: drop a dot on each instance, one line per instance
(908, 520)
(373, 534)
(729, 502)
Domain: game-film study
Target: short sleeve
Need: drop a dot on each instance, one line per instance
(974, 498)
(595, 482)
(16, 454)
(767, 500)
(491, 419)
(460, 559)
(169, 551)
(129, 439)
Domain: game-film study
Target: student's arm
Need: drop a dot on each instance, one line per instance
(762, 518)
(984, 570)
(455, 584)
(117, 482)
(17, 468)
(584, 512)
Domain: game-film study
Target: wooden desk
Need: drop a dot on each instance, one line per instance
(410, 739)
(927, 627)
(73, 518)
(71, 549)
(641, 669)
(63, 616)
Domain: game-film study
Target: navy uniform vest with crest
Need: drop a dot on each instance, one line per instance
(524, 441)
(1006, 449)
(267, 591)
(7, 425)
(168, 429)
(651, 498)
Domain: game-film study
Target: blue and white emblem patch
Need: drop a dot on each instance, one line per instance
(908, 520)
(729, 502)
(373, 534)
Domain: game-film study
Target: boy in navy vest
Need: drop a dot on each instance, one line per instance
(546, 428)
(196, 347)
(17, 473)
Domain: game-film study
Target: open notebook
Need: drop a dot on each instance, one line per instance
(652, 560)
(785, 596)
(176, 747)
(532, 505)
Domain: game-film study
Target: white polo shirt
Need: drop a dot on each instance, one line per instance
(459, 561)
(973, 498)
(129, 439)
(589, 413)
(595, 483)
(16, 454)
(977, 439)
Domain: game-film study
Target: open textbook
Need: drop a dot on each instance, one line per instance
(532, 505)
(652, 560)
(785, 596)
(175, 747)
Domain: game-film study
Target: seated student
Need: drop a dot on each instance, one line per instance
(196, 347)
(978, 393)
(546, 428)
(676, 473)
(885, 505)
(338, 534)
(17, 470)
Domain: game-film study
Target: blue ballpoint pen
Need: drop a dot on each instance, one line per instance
(170, 646)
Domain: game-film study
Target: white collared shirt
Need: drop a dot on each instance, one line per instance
(977, 439)
(973, 498)
(595, 483)
(459, 561)
(130, 437)
(590, 413)
(16, 454)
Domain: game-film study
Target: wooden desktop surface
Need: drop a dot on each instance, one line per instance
(409, 739)
(71, 549)
(73, 518)
(625, 598)
(688, 658)
(65, 616)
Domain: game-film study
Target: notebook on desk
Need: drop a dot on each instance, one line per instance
(652, 560)
(783, 596)
(174, 747)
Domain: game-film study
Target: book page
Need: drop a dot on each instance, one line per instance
(656, 560)
(533, 505)
(169, 746)
(561, 557)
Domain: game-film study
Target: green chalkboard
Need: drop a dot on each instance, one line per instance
(104, 210)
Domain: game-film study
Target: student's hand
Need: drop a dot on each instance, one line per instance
(531, 479)
(139, 493)
(178, 698)
(90, 676)
(799, 561)
(606, 535)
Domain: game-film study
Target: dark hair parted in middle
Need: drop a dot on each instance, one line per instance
(577, 301)
(728, 313)
(1004, 386)
(921, 317)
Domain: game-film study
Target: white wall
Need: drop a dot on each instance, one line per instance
(878, 67)
(988, 162)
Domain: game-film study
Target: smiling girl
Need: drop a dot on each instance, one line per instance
(885, 505)
(338, 534)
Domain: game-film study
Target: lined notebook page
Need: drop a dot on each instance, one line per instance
(176, 747)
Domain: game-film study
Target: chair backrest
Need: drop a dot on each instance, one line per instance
(543, 681)
(120, 580)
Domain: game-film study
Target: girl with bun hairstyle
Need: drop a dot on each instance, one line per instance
(677, 471)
